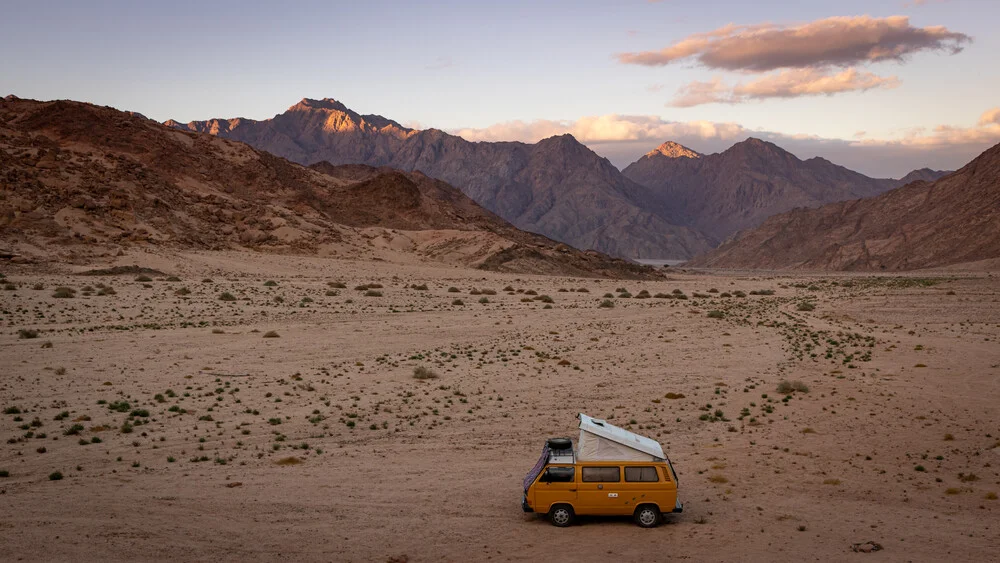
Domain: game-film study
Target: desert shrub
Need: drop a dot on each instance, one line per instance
(739, 294)
(725, 294)
(421, 372)
(609, 295)
(120, 406)
(674, 396)
(625, 295)
(531, 292)
(785, 387)
(607, 304)
(488, 291)
(697, 295)
(361, 287)
(64, 293)
(452, 289)
(484, 300)
(226, 296)
(143, 278)
(805, 306)
(458, 302)
(55, 476)
(38, 286)
(662, 295)
(4, 473)
(373, 293)
(182, 292)
(583, 290)
(12, 410)
(421, 287)
(544, 299)
(643, 295)
(173, 279)
(270, 283)
(716, 314)
(475, 292)
(713, 290)
(271, 334)
(107, 290)
(337, 285)
(27, 333)
(508, 288)
(331, 293)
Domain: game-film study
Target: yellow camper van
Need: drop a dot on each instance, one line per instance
(610, 472)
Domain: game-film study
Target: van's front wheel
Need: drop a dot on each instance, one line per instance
(647, 516)
(561, 515)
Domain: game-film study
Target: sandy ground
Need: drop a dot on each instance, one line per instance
(321, 445)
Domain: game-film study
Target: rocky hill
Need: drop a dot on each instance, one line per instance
(79, 181)
(953, 220)
(556, 187)
(722, 193)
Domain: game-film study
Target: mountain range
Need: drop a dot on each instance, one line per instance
(556, 187)
(952, 220)
(720, 194)
(80, 181)
(672, 203)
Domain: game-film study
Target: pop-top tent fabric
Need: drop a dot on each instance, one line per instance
(601, 441)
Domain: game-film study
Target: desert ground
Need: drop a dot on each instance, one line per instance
(157, 421)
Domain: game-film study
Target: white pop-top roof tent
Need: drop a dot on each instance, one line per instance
(601, 441)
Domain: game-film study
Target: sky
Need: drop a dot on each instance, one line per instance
(882, 87)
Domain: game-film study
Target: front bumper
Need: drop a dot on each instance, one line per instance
(524, 504)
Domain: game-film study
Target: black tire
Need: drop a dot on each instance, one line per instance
(562, 515)
(647, 516)
(560, 443)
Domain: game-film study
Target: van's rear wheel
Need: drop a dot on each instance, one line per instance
(561, 515)
(647, 516)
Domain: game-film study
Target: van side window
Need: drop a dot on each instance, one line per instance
(601, 474)
(557, 475)
(641, 475)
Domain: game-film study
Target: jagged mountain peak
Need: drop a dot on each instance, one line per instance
(671, 149)
(325, 103)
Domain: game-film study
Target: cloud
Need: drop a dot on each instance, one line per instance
(836, 41)
(610, 128)
(783, 84)
(990, 117)
(624, 138)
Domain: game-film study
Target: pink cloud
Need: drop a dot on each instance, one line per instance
(836, 41)
(784, 84)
